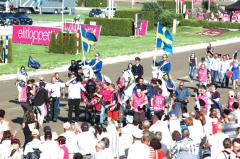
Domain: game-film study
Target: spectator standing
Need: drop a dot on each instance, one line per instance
(137, 69)
(227, 152)
(203, 75)
(22, 78)
(181, 98)
(74, 97)
(224, 66)
(54, 90)
(192, 65)
(215, 65)
(158, 101)
(235, 70)
(33, 145)
(138, 103)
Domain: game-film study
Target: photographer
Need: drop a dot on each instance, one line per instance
(138, 103)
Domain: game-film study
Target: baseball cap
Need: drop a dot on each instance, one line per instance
(66, 125)
(35, 132)
(61, 140)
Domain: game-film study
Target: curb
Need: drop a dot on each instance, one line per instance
(143, 55)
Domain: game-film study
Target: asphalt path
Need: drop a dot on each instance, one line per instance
(8, 91)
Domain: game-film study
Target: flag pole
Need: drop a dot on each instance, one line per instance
(83, 53)
(154, 60)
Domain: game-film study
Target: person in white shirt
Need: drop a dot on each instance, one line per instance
(227, 152)
(216, 141)
(224, 66)
(34, 144)
(74, 95)
(214, 68)
(49, 148)
(54, 90)
(138, 150)
(71, 141)
(86, 141)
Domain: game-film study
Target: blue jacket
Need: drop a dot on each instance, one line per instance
(97, 68)
(166, 67)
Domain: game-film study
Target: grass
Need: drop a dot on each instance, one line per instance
(108, 46)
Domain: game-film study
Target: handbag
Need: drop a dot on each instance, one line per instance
(229, 73)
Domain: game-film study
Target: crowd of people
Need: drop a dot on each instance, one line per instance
(155, 122)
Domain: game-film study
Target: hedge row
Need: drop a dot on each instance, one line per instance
(114, 27)
(207, 24)
(146, 15)
(95, 3)
(172, 4)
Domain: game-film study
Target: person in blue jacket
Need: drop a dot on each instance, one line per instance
(164, 65)
(96, 65)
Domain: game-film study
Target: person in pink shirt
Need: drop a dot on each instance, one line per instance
(202, 98)
(203, 75)
(158, 101)
(138, 104)
(106, 99)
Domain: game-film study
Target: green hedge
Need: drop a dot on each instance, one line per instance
(207, 24)
(95, 3)
(146, 15)
(172, 4)
(114, 27)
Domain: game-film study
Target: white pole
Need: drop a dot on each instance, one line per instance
(77, 41)
(112, 8)
(176, 6)
(209, 6)
(109, 7)
(6, 50)
(62, 15)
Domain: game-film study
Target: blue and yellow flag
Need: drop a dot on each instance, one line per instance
(88, 40)
(164, 39)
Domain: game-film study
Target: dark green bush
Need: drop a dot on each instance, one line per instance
(115, 26)
(95, 3)
(10, 52)
(146, 15)
(172, 4)
(72, 43)
(53, 43)
(207, 24)
(166, 18)
(59, 48)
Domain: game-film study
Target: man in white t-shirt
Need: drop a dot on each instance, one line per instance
(74, 95)
(216, 141)
(54, 90)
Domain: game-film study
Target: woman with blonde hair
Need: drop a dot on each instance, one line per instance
(235, 73)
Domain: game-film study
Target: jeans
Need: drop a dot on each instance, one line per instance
(191, 72)
(55, 110)
(214, 75)
(73, 103)
(224, 80)
(179, 106)
(102, 113)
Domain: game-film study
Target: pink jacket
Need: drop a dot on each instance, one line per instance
(202, 75)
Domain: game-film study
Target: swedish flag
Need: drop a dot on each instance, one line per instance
(164, 39)
(88, 40)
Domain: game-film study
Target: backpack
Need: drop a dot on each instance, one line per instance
(226, 154)
(33, 155)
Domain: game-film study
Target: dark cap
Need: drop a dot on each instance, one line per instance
(42, 84)
(48, 135)
(47, 129)
(61, 140)
(137, 59)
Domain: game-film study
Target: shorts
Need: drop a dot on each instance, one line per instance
(113, 114)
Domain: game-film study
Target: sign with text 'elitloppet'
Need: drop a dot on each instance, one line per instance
(33, 34)
(95, 29)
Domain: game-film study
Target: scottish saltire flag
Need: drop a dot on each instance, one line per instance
(164, 39)
(33, 63)
(88, 40)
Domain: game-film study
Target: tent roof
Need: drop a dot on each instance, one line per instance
(233, 7)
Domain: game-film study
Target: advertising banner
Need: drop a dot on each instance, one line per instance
(33, 34)
(143, 29)
(95, 29)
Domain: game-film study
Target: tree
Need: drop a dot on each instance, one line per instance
(10, 53)
(66, 47)
(73, 44)
(59, 43)
(53, 43)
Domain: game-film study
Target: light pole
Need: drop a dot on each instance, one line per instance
(62, 15)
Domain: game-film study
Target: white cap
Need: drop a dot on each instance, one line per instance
(137, 133)
(66, 125)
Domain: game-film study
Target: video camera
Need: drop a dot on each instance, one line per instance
(75, 65)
